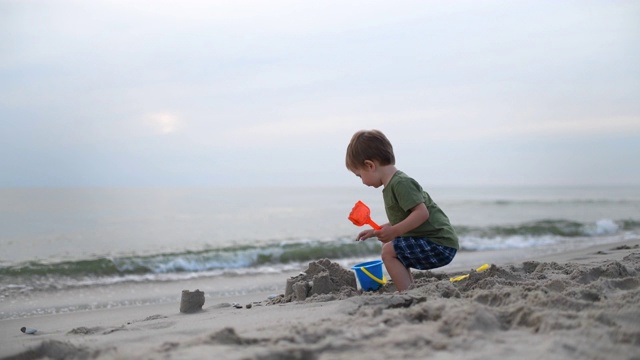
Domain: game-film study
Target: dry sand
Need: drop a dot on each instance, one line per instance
(578, 305)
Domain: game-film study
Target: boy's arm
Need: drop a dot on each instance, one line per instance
(419, 214)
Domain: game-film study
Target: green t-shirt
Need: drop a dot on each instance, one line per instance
(402, 194)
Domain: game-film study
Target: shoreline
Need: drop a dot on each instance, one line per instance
(44, 302)
(520, 312)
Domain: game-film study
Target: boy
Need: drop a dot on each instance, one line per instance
(419, 234)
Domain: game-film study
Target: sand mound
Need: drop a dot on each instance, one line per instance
(566, 303)
(323, 280)
(53, 349)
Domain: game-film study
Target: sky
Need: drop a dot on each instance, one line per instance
(268, 93)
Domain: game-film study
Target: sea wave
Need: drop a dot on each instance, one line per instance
(539, 233)
(227, 259)
(275, 255)
(565, 228)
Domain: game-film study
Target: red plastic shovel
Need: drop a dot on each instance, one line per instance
(361, 215)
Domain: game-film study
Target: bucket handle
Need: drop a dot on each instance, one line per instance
(381, 282)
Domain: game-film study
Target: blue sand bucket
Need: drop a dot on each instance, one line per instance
(369, 275)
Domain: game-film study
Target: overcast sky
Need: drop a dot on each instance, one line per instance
(218, 93)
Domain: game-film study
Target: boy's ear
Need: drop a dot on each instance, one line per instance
(369, 164)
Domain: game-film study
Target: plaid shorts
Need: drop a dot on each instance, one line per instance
(422, 254)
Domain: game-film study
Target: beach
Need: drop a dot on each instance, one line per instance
(179, 179)
(581, 303)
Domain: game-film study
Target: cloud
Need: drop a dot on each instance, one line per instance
(286, 132)
(197, 82)
(452, 126)
(164, 123)
(576, 127)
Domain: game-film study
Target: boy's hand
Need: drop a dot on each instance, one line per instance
(364, 235)
(386, 234)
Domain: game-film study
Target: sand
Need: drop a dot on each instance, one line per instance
(581, 304)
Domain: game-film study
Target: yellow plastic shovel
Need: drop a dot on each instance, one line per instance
(462, 277)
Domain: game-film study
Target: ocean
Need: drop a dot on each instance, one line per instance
(83, 237)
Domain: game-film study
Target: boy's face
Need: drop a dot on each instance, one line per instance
(369, 175)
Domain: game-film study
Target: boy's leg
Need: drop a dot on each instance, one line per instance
(400, 275)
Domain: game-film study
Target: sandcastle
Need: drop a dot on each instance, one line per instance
(191, 301)
(321, 277)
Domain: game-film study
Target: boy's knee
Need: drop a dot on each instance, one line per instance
(388, 252)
